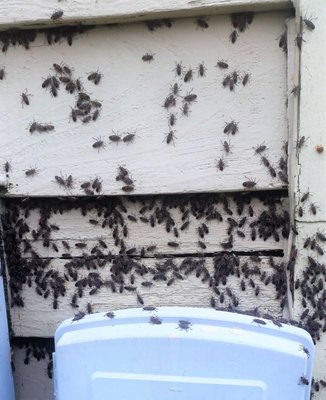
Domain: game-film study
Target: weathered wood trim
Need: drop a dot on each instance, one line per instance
(311, 164)
(30, 13)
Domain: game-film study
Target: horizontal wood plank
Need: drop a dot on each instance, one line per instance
(38, 318)
(86, 11)
(73, 228)
(132, 93)
(37, 271)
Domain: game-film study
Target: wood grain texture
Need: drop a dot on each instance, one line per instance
(74, 228)
(62, 252)
(132, 93)
(37, 317)
(101, 11)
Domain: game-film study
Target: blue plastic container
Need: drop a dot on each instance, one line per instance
(6, 379)
(217, 356)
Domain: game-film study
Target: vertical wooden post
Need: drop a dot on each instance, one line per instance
(311, 157)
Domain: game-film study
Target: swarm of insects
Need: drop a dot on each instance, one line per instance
(126, 268)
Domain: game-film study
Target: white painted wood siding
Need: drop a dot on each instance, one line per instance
(74, 228)
(71, 229)
(133, 93)
(37, 317)
(30, 13)
(261, 105)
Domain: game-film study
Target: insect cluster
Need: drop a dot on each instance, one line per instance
(85, 109)
(187, 99)
(15, 37)
(38, 348)
(235, 77)
(317, 385)
(125, 268)
(123, 175)
(115, 137)
(66, 182)
(92, 186)
(155, 24)
(283, 38)
(310, 284)
(125, 261)
(305, 205)
(240, 22)
(280, 170)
